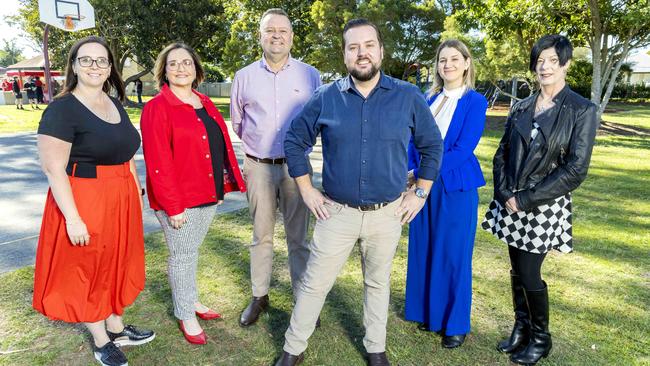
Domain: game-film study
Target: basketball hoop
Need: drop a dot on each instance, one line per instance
(70, 21)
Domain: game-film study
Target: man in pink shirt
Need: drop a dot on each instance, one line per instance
(266, 95)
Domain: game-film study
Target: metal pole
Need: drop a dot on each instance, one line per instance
(46, 57)
(513, 91)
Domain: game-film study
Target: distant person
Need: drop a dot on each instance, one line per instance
(55, 87)
(6, 84)
(90, 255)
(266, 96)
(191, 165)
(441, 237)
(543, 156)
(39, 90)
(15, 88)
(138, 89)
(30, 88)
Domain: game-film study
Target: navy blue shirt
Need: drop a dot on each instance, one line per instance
(365, 140)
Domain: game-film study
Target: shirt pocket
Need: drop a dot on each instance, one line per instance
(393, 126)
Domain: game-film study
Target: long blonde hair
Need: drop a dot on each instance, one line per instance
(469, 74)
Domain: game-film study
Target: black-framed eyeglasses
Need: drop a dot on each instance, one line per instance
(87, 61)
(175, 65)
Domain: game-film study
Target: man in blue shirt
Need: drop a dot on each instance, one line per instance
(365, 121)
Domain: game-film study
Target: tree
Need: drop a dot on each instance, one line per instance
(617, 28)
(610, 28)
(138, 29)
(10, 53)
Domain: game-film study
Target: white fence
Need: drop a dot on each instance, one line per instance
(215, 89)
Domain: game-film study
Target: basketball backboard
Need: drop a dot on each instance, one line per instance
(69, 15)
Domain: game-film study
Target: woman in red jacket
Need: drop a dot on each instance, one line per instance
(190, 166)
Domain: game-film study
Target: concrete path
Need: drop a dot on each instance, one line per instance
(23, 188)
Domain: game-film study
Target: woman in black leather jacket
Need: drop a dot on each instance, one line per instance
(543, 156)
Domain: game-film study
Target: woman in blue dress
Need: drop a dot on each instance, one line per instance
(441, 237)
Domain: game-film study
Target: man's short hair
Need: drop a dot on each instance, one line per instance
(360, 22)
(562, 47)
(275, 11)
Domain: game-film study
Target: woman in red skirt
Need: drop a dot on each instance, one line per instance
(90, 256)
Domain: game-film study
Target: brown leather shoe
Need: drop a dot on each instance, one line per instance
(378, 359)
(252, 312)
(287, 359)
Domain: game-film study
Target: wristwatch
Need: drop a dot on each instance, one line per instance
(421, 193)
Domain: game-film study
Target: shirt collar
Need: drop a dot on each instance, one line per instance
(454, 93)
(173, 99)
(265, 64)
(384, 82)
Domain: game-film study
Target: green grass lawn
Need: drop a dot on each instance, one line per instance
(600, 294)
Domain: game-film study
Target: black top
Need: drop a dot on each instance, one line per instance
(30, 87)
(15, 87)
(94, 140)
(217, 149)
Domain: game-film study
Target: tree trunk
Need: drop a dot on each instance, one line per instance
(595, 43)
(612, 78)
(130, 79)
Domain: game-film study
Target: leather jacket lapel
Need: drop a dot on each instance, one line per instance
(522, 119)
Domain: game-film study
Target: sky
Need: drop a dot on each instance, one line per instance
(10, 7)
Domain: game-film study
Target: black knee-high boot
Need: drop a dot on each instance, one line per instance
(521, 329)
(540, 343)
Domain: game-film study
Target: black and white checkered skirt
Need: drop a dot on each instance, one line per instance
(538, 231)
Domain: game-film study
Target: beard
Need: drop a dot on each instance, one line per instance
(367, 75)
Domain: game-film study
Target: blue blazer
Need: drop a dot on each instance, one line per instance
(460, 169)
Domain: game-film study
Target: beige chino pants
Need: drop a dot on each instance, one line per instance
(270, 187)
(378, 234)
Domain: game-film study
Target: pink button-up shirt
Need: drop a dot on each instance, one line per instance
(263, 104)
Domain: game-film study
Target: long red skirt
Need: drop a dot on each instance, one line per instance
(89, 283)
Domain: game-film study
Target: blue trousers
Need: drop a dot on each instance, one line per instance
(439, 275)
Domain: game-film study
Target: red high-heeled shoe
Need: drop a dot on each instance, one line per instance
(208, 315)
(200, 338)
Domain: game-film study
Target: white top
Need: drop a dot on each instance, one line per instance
(443, 118)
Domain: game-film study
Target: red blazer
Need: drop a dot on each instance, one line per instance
(177, 154)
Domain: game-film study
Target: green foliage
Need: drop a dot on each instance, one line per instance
(213, 73)
(153, 24)
(579, 73)
(137, 28)
(10, 53)
(241, 46)
(329, 17)
(502, 60)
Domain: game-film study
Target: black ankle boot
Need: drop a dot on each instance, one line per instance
(540, 343)
(521, 329)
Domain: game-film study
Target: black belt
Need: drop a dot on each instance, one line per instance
(81, 170)
(372, 207)
(278, 161)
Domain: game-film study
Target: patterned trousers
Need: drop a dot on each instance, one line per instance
(183, 245)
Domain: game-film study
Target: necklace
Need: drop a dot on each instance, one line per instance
(99, 109)
(544, 105)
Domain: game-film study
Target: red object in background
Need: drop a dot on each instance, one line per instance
(26, 73)
(6, 86)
